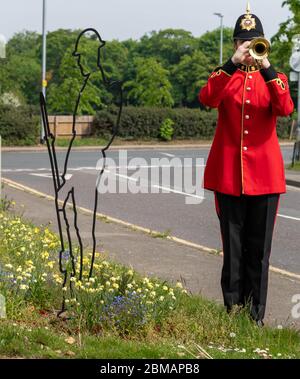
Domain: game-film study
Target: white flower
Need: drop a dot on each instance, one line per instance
(232, 335)
(280, 327)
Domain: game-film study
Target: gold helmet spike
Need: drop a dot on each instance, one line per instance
(248, 10)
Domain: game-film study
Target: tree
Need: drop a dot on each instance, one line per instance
(21, 73)
(167, 46)
(115, 58)
(62, 97)
(151, 86)
(58, 42)
(188, 77)
(282, 40)
(24, 43)
(209, 44)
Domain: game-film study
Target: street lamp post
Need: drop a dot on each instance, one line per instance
(295, 65)
(44, 81)
(2, 56)
(221, 36)
(2, 51)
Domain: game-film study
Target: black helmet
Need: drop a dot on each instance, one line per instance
(248, 26)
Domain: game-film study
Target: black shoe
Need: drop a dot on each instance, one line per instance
(260, 323)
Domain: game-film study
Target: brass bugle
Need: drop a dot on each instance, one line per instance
(259, 48)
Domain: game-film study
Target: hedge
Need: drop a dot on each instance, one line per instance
(18, 125)
(145, 123)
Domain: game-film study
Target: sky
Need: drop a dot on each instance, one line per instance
(124, 19)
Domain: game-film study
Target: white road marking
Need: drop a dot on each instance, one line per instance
(94, 168)
(296, 189)
(168, 155)
(168, 189)
(289, 217)
(25, 169)
(67, 176)
(42, 175)
(176, 191)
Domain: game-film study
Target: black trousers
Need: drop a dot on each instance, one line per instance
(247, 224)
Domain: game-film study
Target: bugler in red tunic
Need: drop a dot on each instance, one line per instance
(245, 156)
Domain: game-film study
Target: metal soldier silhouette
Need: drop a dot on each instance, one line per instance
(65, 192)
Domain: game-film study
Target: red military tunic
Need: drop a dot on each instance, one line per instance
(245, 156)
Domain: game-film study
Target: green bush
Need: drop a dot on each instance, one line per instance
(18, 125)
(284, 125)
(145, 123)
(166, 130)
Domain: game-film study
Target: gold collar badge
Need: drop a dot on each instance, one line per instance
(248, 22)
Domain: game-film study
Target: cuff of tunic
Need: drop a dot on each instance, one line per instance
(229, 67)
(269, 73)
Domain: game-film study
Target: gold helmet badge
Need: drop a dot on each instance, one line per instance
(248, 22)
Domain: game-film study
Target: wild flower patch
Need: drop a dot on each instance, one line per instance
(115, 297)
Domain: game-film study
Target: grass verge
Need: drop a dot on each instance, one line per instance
(116, 313)
(295, 168)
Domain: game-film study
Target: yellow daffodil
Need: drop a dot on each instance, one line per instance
(45, 255)
(50, 264)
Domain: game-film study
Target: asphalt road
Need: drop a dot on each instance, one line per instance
(164, 212)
